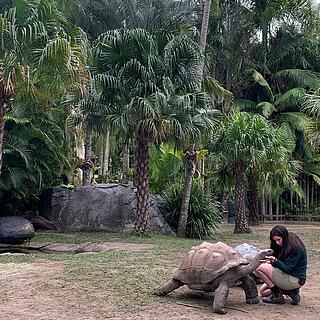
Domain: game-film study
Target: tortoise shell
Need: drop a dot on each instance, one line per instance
(205, 262)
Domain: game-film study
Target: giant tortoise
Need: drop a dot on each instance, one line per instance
(215, 267)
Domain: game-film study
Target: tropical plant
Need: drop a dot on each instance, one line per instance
(243, 143)
(282, 100)
(148, 82)
(37, 57)
(204, 215)
(34, 154)
(166, 164)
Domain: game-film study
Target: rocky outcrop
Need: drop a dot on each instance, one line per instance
(15, 229)
(100, 207)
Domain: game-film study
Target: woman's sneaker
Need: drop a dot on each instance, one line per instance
(275, 297)
(293, 295)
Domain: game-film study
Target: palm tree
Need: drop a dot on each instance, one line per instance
(281, 101)
(37, 57)
(243, 142)
(190, 153)
(280, 12)
(148, 82)
(89, 115)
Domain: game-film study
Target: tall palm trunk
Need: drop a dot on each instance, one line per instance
(252, 198)
(265, 48)
(191, 154)
(2, 113)
(203, 38)
(263, 205)
(142, 215)
(125, 163)
(87, 166)
(241, 223)
(190, 168)
(106, 155)
(5, 96)
(101, 152)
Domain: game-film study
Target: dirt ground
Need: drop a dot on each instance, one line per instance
(35, 291)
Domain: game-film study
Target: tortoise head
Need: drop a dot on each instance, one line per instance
(264, 253)
(254, 264)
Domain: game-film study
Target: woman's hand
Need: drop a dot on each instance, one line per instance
(269, 259)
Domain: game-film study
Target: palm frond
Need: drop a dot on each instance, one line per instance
(261, 81)
(267, 109)
(217, 91)
(300, 78)
(291, 98)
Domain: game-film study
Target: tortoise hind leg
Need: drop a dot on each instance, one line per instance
(220, 297)
(167, 287)
(250, 288)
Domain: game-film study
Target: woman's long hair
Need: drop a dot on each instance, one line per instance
(291, 243)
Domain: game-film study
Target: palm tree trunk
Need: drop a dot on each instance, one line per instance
(101, 164)
(201, 167)
(265, 47)
(312, 192)
(241, 223)
(125, 163)
(263, 206)
(3, 105)
(252, 198)
(203, 38)
(87, 166)
(270, 208)
(106, 155)
(5, 96)
(191, 156)
(142, 184)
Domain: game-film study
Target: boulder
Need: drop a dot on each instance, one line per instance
(15, 229)
(109, 207)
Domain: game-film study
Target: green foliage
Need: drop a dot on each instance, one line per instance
(300, 78)
(245, 137)
(301, 212)
(149, 82)
(165, 166)
(203, 216)
(33, 157)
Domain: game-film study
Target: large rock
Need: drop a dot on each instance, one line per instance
(15, 229)
(100, 207)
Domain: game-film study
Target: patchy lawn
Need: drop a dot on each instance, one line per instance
(118, 284)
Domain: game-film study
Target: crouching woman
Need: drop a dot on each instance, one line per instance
(285, 272)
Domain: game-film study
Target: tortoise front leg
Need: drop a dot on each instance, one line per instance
(220, 297)
(167, 287)
(250, 288)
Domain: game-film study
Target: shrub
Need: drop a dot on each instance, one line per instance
(203, 215)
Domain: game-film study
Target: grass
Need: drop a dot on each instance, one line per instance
(128, 277)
